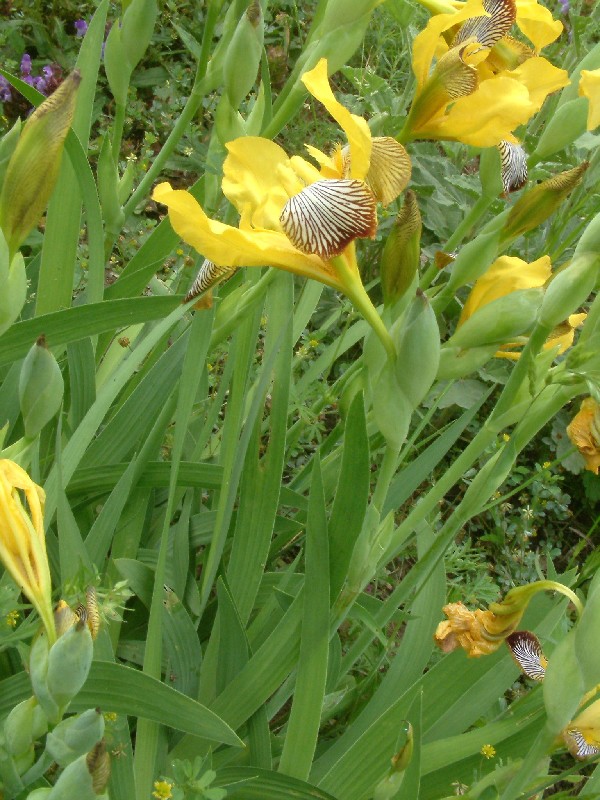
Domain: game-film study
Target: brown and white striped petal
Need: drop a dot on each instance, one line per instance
(208, 275)
(457, 78)
(514, 166)
(527, 652)
(326, 216)
(489, 30)
(581, 746)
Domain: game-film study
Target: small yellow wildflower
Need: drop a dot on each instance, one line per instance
(11, 618)
(162, 790)
(506, 437)
(488, 751)
(110, 716)
(546, 464)
(313, 343)
(179, 251)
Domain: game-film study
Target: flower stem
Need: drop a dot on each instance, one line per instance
(356, 293)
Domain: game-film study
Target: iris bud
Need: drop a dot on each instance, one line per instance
(14, 282)
(75, 736)
(25, 723)
(69, 663)
(456, 362)
(34, 165)
(242, 59)
(400, 258)
(566, 124)
(500, 321)
(41, 388)
(536, 205)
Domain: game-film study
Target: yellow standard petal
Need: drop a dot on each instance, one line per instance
(356, 129)
(258, 179)
(540, 77)
(584, 433)
(537, 23)
(589, 86)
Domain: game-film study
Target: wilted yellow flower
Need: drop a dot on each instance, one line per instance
(584, 432)
(22, 539)
(510, 274)
(589, 86)
(482, 632)
(478, 632)
(484, 83)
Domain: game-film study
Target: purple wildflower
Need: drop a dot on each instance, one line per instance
(564, 6)
(5, 93)
(81, 27)
(48, 73)
(26, 66)
(40, 84)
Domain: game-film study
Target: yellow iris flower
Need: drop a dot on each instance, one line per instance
(484, 83)
(22, 539)
(510, 274)
(589, 86)
(293, 214)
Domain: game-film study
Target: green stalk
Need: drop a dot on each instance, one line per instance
(473, 216)
(356, 293)
(117, 134)
(385, 475)
(192, 105)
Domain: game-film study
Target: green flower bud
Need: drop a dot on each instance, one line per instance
(536, 205)
(41, 388)
(108, 187)
(455, 362)
(418, 349)
(38, 673)
(13, 279)
(69, 663)
(500, 321)
(126, 43)
(7, 146)
(566, 124)
(400, 258)
(242, 59)
(75, 736)
(388, 788)
(24, 724)
(34, 165)
(75, 782)
(569, 288)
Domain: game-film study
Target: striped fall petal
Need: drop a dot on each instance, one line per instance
(514, 166)
(582, 744)
(326, 216)
(526, 650)
(208, 276)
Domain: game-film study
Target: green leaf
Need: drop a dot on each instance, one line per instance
(249, 783)
(351, 494)
(73, 324)
(311, 672)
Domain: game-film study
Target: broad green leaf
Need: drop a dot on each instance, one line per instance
(249, 783)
